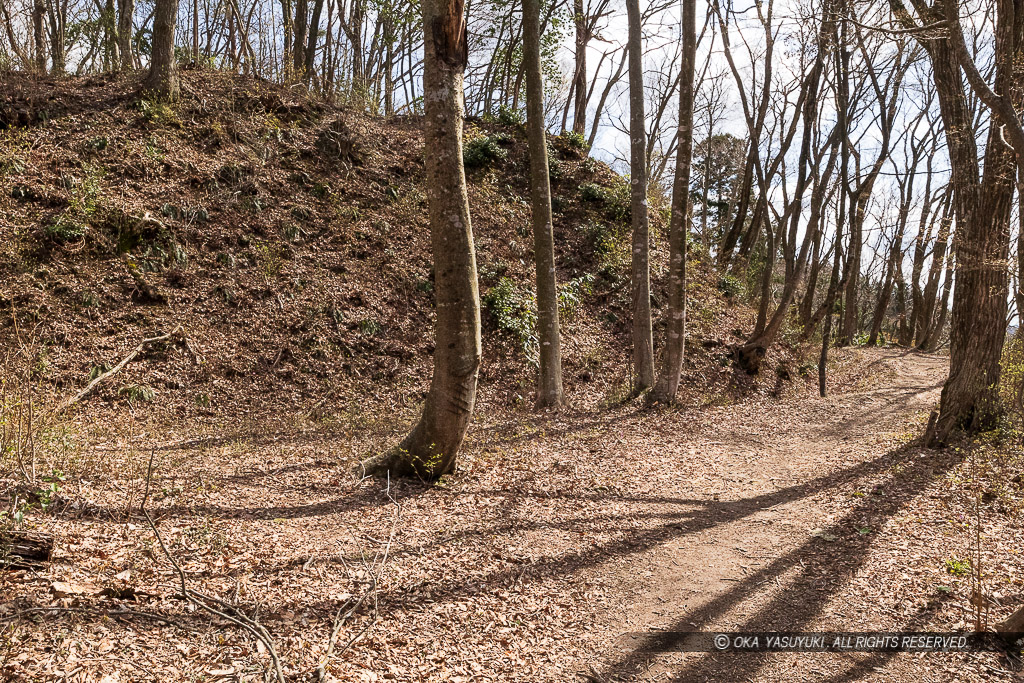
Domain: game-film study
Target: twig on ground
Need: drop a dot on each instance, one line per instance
(114, 370)
(201, 600)
(86, 610)
(375, 571)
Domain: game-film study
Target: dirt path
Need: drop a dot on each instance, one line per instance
(780, 475)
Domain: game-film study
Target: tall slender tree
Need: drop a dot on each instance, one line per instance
(675, 330)
(643, 341)
(549, 379)
(432, 447)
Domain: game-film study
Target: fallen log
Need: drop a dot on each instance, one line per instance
(23, 549)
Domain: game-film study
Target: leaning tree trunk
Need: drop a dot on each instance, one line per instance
(430, 450)
(549, 379)
(983, 208)
(675, 330)
(314, 34)
(162, 80)
(643, 340)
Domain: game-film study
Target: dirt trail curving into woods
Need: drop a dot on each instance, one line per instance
(804, 533)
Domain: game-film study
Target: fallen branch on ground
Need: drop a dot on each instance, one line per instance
(114, 370)
(375, 571)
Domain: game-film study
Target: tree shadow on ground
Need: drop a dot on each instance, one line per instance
(819, 566)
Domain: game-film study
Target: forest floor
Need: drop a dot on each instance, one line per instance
(557, 536)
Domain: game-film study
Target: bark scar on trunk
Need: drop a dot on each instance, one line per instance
(449, 35)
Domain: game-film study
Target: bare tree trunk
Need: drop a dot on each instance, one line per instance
(289, 39)
(314, 34)
(904, 330)
(643, 339)
(935, 333)
(56, 13)
(195, 32)
(895, 259)
(579, 119)
(430, 450)
(38, 36)
(667, 384)
(125, 25)
(983, 205)
(299, 47)
(549, 379)
(162, 80)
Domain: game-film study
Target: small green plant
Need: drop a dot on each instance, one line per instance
(507, 116)
(83, 203)
(370, 327)
(97, 144)
(592, 192)
(603, 238)
(97, 370)
(570, 295)
(66, 229)
(137, 393)
(958, 566)
(157, 112)
(614, 200)
(730, 285)
(482, 151)
(574, 140)
(153, 150)
(291, 232)
(16, 148)
(555, 169)
(48, 494)
(270, 258)
(515, 312)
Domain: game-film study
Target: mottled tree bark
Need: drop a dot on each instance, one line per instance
(125, 26)
(667, 384)
(162, 80)
(432, 447)
(640, 270)
(549, 378)
(38, 36)
(982, 207)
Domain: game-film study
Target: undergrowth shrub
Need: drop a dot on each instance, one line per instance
(576, 141)
(514, 311)
(571, 295)
(730, 285)
(507, 116)
(614, 200)
(83, 204)
(483, 151)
